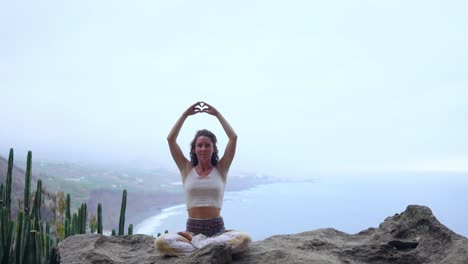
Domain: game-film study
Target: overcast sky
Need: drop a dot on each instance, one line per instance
(308, 86)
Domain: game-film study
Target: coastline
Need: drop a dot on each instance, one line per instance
(150, 225)
(327, 202)
(163, 207)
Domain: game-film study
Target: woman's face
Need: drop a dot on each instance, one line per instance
(204, 148)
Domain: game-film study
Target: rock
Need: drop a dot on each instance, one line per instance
(92, 248)
(216, 253)
(412, 237)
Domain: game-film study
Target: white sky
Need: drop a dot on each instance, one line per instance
(308, 85)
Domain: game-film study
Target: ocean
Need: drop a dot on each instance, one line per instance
(347, 204)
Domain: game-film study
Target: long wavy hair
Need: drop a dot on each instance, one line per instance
(193, 155)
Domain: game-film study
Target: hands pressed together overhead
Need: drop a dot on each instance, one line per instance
(201, 107)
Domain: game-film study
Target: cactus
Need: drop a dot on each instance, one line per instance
(38, 246)
(67, 228)
(19, 234)
(74, 225)
(9, 181)
(27, 239)
(54, 256)
(113, 232)
(36, 212)
(7, 225)
(30, 250)
(6, 234)
(26, 225)
(99, 225)
(85, 217)
(1, 195)
(27, 184)
(79, 219)
(122, 213)
(67, 214)
(82, 213)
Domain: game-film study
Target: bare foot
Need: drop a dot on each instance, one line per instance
(187, 235)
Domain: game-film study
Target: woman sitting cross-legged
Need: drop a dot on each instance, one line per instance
(204, 180)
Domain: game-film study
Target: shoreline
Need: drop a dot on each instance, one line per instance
(176, 210)
(327, 202)
(234, 185)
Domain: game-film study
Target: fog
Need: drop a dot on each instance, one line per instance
(309, 87)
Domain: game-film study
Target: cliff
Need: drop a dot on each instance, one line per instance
(414, 236)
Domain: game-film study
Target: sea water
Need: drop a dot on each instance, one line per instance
(347, 205)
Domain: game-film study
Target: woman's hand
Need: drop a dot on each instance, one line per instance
(209, 109)
(193, 109)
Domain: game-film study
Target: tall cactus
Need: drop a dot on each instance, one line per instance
(54, 256)
(122, 213)
(99, 225)
(26, 227)
(27, 239)
(82, 215)
(9, 181)
(19, 235)
(23, 240)
(85, 216)
(7, 235)
(36, 213)
(2, 198)
(67, 228)
(39, 247)
(67, 206)
(7, 226)
(27, 185)
(79, 219)
(74, 225)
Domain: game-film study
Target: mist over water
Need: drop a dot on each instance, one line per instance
(283, 208)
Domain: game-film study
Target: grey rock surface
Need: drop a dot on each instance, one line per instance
(414, 236)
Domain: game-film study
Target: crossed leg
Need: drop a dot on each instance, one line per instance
(239, 241)
(173, 245)
(179, 244)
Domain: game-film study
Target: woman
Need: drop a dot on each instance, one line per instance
(204, 178)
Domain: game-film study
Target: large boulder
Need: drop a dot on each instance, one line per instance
(412, 237)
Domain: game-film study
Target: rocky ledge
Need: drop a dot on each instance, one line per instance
(412, 237)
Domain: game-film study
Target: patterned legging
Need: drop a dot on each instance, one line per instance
(204, 232)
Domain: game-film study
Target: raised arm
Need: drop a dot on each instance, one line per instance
(177, 154)
(225, 162)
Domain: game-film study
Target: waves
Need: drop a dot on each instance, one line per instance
(150, 226)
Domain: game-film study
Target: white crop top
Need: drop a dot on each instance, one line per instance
(204, 191)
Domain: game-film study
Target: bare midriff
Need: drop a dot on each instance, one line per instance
(204, 212)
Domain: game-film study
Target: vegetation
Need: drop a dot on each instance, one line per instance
(122, 213)
(28, 238)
